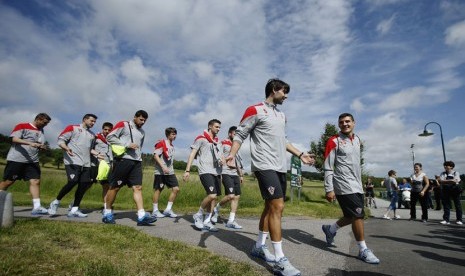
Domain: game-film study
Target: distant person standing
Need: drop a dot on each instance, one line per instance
(23, 158)
(127, 167)
(265, 124)
(437, 192)
(232, 179)
(420, 184)
(77, 142)
(208, 154)
(164, 173)
(343, 182)
(450, 183)
(391, 187)
(370, 193)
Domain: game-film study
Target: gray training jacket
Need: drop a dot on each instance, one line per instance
(342, 166)
(266, 126)
(121, 135)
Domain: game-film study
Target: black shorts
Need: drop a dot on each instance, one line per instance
(17, 171)
(231, 184)
(126, 172)
(369, 193)
(211, 183)
(161, 180)
(352, 205)
(93, 174)
(78, 174)
(272, 184)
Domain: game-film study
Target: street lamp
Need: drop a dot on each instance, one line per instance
(413, 155)
(427, 133)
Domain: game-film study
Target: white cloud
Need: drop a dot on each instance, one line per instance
(455, 34)
(385, 25)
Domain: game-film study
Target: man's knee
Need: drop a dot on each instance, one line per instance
(175, 190)
(212, 196)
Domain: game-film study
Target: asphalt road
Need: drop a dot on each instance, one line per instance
(404, 247)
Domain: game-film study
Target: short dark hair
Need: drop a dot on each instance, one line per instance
(107, 124)
(391, 172)
(346, 115)
(170, 130)
(142, 113)
(213, 121)
(418, 164)
(42, 116)
(449, 163)
(89, 115)
(231, 129)
(276, 85)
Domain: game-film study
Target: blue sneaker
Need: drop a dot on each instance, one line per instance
(329, 236)
(368, 257)
(147, 220)
(108, 219)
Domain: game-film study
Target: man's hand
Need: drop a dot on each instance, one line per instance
(230, 162)
(186, 176)
(308, 158)
(330, 196)
(133, 146)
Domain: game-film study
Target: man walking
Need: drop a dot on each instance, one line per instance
(343, 181)
(127, 168)
(206, 149)
(77, 142)
(164, 173)
(23, 158)
(265, 124)
(232, 180)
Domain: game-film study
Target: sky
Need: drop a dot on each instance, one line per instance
(394, 64)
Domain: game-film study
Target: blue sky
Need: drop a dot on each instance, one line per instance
(394, 64)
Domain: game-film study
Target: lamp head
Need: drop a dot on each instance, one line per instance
(425, 133)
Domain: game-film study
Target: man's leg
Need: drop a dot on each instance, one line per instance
(156, 196)
(5, 184)
(137, 196)
(111, 196)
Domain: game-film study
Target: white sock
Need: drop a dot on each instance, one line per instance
(169, 206)
(361, 245)
(106, 211)
(140, 213)
(334, 227)
(232, 216)
(261, 239)
(200, 212)
(155, 207)
(36, 202)
(56, 201)
(74, 209)
(278, 249)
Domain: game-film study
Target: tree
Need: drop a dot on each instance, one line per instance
(318, 148)
(57, 157)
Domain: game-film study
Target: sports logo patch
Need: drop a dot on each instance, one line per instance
(358, 210)
(211, 188)
(119, 182)
(231, 190)
(271, 190)
(161, 185)
(15, 176)
(72, 176)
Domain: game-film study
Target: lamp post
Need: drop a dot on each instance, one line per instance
(413, 155)
(427, 133)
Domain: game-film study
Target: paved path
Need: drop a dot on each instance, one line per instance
(404, 247)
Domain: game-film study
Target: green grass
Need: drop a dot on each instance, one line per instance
(66, 248)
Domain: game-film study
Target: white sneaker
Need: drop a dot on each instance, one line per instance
(386, 217)
(157, 214)
(198, 221)
(233, 225)
(52, 210)
(39, 211)
(77, 214)
(459, 222)
(170, 214)
(209, 227)
(284, 267)
(396, 217)
(214, 218)
(444, 222)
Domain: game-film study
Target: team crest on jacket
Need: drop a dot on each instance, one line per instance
(271, 190)
(72, 176)
(358, 210)
(211, 188)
